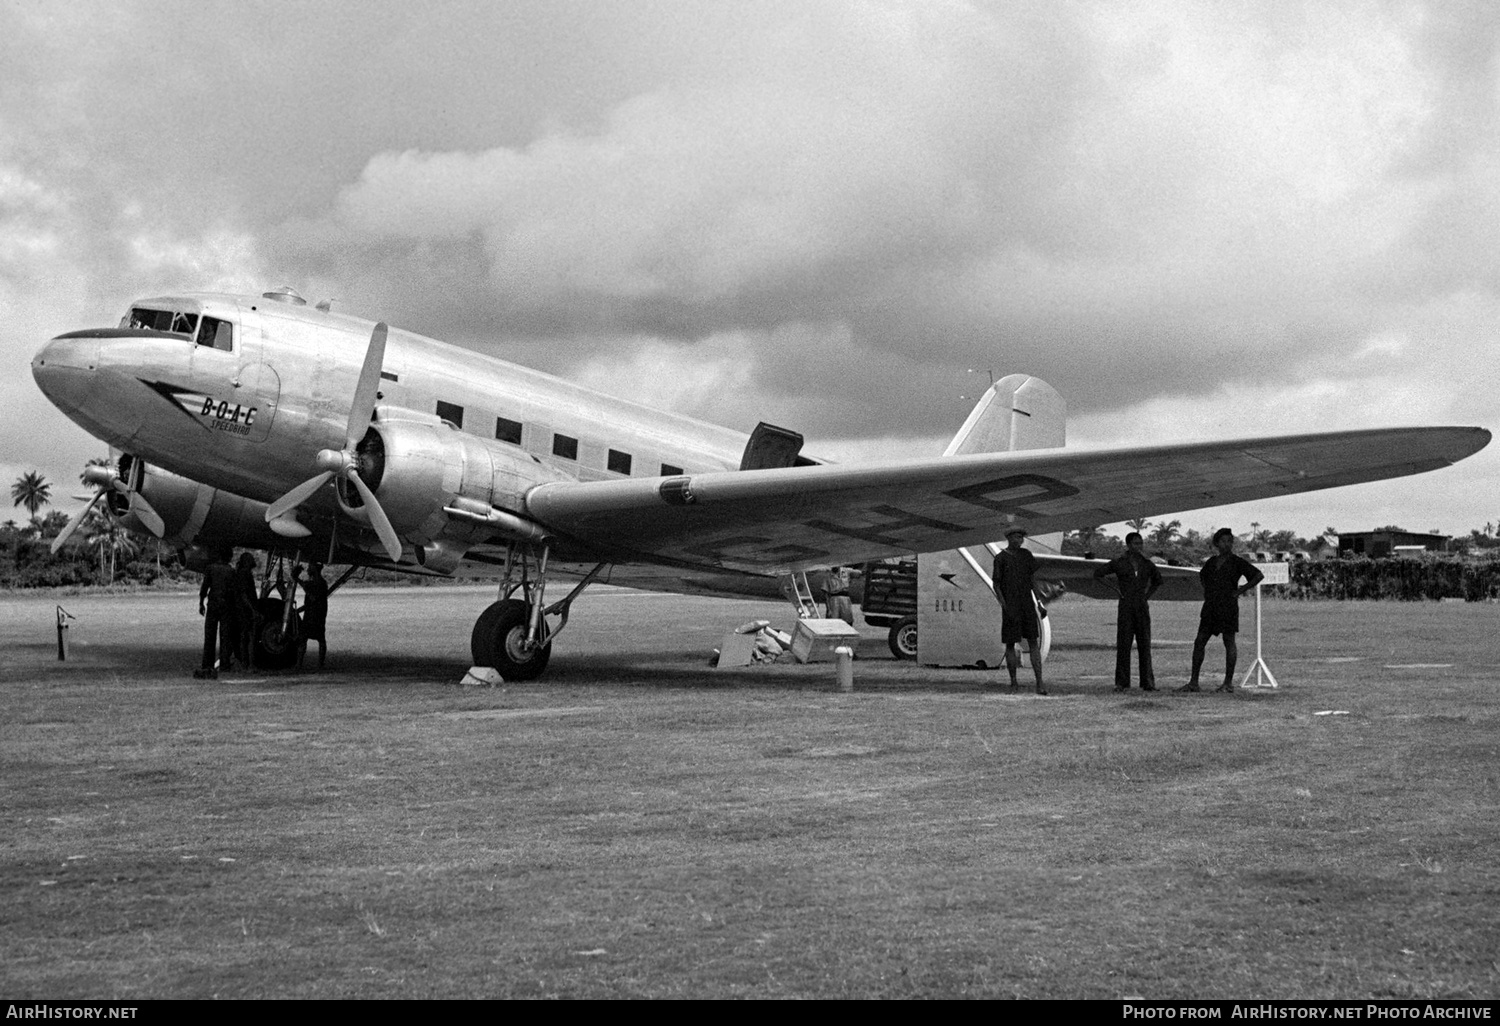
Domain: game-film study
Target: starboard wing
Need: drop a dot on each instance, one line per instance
(781, 520)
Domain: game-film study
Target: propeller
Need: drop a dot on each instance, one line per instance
(141, 508)
(107, 481)
(76, 520)
(347, 462)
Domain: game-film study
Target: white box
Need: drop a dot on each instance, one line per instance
(813, 641)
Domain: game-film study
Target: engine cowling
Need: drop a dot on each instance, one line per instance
(191, 512)
(418, 466)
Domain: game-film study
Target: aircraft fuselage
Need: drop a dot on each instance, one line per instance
(239, 393)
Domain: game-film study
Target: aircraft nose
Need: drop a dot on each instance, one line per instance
(64, 369)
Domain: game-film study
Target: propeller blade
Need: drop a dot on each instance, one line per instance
(378, 520)
(146, 515)
(74, 522)
(297, 496)
(363, 406)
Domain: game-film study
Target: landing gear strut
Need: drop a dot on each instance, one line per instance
(514, 635)
(277, 635)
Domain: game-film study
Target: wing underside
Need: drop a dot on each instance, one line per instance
(780, 520)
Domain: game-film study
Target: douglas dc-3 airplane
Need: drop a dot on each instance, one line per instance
(259, 421)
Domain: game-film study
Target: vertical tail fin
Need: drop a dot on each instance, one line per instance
(1017, 412)
(957, 608)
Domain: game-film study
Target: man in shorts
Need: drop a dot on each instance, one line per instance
(1221, 605)
(1014, 576)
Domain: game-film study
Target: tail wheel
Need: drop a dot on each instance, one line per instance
(903, 638)
(499, 640)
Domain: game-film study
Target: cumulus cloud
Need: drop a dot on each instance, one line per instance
(1137, 192)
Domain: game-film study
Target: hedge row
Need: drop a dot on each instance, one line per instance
(1398, 580)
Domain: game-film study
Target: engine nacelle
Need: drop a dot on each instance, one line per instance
(417, 466)
(191, 513)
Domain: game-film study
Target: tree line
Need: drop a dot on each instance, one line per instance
(100, 551)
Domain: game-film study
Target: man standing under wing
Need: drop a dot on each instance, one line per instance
(1136, 579)
(216, 606)
(1014, 576)
(1221, 605)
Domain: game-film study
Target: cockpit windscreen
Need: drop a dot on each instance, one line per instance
(210, 332)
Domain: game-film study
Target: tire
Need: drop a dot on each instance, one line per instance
(497, 642)
(903, 638)
(275, 650)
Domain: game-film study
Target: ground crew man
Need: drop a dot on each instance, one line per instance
(314, 612)
(216, 605)
(836, 595)
(1014, 576)
(1221, 605)
(1136, 579)
(246, 607)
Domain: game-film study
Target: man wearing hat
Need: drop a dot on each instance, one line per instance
(1014, 576)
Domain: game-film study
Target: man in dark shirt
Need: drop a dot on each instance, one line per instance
(246, 610)
(215, 605)
(1136, 579)
(1221, 605)
(314, 612)
(1014, 577)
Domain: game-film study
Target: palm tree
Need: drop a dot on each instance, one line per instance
(32, 491)
(112, 540)
(1138, 524)
(1165, 531)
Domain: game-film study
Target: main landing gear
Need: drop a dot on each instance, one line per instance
(514, 635)
(277, 633)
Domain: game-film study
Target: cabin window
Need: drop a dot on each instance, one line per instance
(508, 430)
(619, 462)
(565, 447)
(216, 334)
(451, 413)
(667, 470)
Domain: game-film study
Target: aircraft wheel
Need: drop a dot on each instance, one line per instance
(274, 648)
(499, 640)
(903, 638)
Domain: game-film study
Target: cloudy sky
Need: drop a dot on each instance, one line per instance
(1195, 220)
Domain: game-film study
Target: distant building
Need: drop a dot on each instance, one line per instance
(1376, 544)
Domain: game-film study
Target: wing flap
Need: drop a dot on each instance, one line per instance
(780, 520)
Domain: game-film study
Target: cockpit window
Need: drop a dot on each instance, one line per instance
(216, 334)
(175, 321)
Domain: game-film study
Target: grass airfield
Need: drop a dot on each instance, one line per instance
(639, 825)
